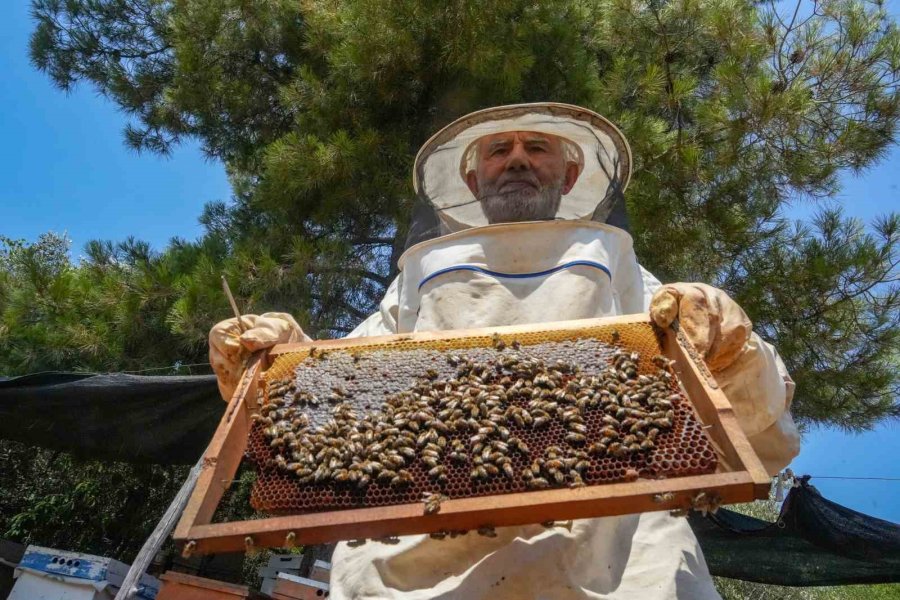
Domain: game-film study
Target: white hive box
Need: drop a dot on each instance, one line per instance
(293, 587)
(321, 571)
(48, 574)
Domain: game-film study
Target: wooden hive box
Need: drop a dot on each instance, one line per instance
(704, 456)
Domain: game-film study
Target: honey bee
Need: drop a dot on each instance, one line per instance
(498, 342)
(575, 480)
(575, 438)
(538, 483)
(386, 476)
(487, 531)
(478, 473)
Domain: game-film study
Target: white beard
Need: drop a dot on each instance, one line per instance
(521, 205)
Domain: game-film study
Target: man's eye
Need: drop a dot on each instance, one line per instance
(498, 151)
(537, 149)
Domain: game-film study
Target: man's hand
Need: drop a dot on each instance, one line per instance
(713, 322)
(229, 348)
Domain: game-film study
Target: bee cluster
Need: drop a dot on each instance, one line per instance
(387, 427)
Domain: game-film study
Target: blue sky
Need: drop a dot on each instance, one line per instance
(64, 167)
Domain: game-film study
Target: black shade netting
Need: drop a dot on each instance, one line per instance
(132, 418)
(815, 542)
(170, 420)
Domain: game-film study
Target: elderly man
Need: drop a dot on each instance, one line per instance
(523, 196)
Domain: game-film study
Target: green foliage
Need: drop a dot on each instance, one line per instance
(112, 311)
(55, 500)
(734, 111)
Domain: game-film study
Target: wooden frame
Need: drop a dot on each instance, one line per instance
(741, 478)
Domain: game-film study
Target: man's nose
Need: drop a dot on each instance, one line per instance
(518, 159)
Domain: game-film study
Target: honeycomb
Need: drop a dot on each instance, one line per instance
(365, 376)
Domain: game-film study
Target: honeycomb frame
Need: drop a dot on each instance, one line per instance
(739, 475)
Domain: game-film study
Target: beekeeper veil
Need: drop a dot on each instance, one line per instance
(446, 204)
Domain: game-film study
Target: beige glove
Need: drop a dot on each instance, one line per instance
(710, 319)
(748, 369)
(229, 348)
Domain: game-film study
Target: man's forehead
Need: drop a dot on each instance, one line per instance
(508, 137)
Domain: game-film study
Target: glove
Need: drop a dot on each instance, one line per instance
(748, 370)
(229, 348)
(713, 322)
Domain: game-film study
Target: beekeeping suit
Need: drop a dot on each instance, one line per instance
(467, 273)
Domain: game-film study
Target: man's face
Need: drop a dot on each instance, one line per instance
(521, 176)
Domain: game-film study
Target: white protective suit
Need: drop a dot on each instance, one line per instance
(509, 274)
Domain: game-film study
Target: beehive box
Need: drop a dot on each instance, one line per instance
(470, 430)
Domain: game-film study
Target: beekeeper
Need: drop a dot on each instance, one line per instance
(526, 198)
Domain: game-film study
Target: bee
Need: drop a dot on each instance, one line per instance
(433, 503)
(487, 531)
(386, 476)
(609, 420)
(578, 428)
(404, 476)
(619, 451)
(597, 449)
(575, 438)
(372, 466)
(498, 342)
(390, 540)
(538, 483)
(609, 433)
